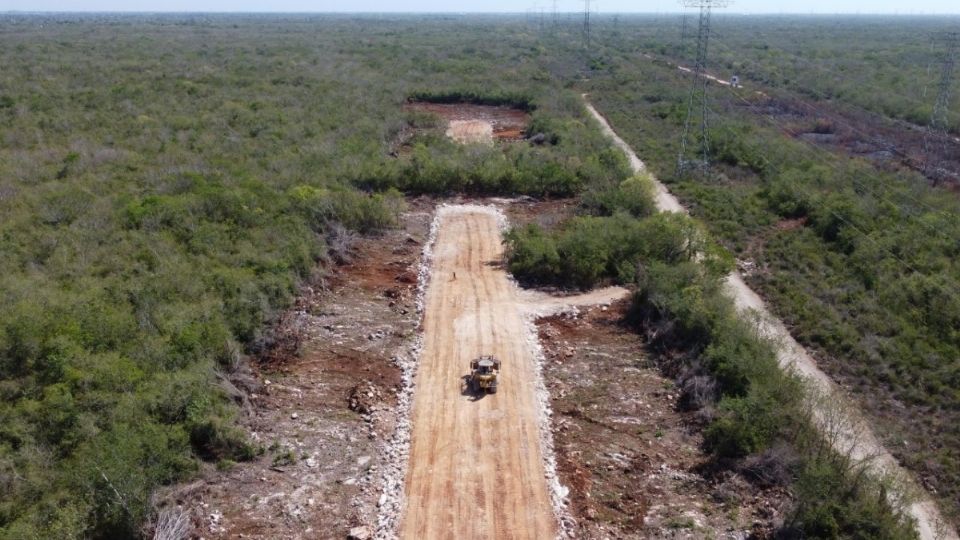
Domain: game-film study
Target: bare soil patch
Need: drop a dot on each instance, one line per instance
(320, 415)
(632, 461)
(470, 131)
(465, 120)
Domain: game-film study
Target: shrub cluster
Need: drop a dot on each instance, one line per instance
(755, 410)
(435, 165)
(592, 249)
(112, 377)
(516, 100)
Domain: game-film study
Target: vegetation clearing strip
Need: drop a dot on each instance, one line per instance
(845, 429)
(397, 450)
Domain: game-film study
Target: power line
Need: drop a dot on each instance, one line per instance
(698, 83)
(942, 136)
(939, 122)
(943, 286)
(795, 57)
(862, 187)
(893, 149)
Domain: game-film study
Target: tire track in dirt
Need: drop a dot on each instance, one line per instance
(841, 423)
(475, 469)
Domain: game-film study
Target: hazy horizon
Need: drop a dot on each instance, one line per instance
(464, 13)
(742, 7)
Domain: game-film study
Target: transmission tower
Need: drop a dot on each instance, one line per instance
(939, 118)
(698, 83)
(586, 23)
(556, 15)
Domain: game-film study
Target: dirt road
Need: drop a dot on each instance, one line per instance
(475, 467)
(840, 421)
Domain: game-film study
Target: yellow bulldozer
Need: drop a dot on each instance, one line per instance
(483, 374)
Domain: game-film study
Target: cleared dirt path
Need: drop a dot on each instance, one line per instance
(475, 467)
(842, 424)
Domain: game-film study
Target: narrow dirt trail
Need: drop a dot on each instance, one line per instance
(475, 465)
(841, 423)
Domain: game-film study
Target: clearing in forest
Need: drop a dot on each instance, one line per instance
(469, 123)
(476, 465)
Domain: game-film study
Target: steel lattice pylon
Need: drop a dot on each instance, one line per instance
(698, 83)
(586, 24)
(939, 119)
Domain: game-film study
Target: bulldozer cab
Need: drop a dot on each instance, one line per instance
(483, 374)
(485, 365)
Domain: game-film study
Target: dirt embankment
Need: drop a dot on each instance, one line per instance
(841, 422)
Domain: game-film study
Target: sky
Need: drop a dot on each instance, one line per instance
(903, 7)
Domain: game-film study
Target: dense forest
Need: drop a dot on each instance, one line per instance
(167, 183)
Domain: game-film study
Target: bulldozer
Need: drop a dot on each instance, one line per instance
(483, 374)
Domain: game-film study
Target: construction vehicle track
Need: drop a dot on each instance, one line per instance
(475, 466)
(480, 466)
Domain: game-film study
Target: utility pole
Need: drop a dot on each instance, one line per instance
(698, 83)
(939, 119)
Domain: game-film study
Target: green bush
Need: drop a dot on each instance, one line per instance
(477, 97)
(215, 440)
(590, 250)
(533, 255)
(744, 426)
(836, 501)
(633, 196)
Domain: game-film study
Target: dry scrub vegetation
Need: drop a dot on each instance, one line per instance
(168, 183)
